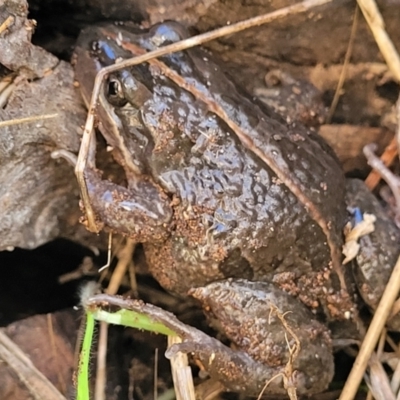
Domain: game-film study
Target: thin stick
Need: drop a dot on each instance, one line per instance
(398, 125)
(155, 391)
(101, 367)
(372, 336)
(6, 88)
(181, 373)
(377, 25)
(346, 62)
(60, 377)
(27, 119)
(109, 248)
(387, 158)
(87, 144)
(7, 23)
(37, 384)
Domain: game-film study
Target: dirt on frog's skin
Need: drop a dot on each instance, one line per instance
(165, 131)
(311, 288)
(192, 224)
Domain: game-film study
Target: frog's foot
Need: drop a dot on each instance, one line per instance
(141, 211)
(235, 369)
(277, 336)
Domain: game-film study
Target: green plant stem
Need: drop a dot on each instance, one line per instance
(132, 319)
(84, 358)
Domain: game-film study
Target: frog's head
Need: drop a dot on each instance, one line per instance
(141, 208)
(124, 92)
(119, 97)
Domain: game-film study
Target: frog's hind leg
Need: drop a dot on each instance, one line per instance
(275, 330)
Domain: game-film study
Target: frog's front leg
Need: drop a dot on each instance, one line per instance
(278, 337)
(141, 211)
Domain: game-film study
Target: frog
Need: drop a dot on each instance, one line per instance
(234, 205)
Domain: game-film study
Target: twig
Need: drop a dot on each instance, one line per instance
(181, 373)
(155, 391)
(378, 381)
(398, 125)
(372, 336)
(7, 23)
(27, 119)
(387, 158)
(37, 384)
(61, 381)
(288, 373)
(389, 154)
(346, 62)
(390, 178)
(395, 382)
(377, 25)
(6, 88)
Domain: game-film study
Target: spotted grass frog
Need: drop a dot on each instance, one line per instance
(234, 205)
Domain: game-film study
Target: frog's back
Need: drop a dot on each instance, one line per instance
(234, 215)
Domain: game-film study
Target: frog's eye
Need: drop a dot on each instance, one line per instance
(114, 92)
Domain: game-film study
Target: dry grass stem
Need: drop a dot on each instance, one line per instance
(109, 252)
(7, 23)
(155, 391)
(395, 382)
(37, 384)
(346, 62)
(378, 381)
(377, 25)
(372, 336)
(27, 119)
(101, 365)
(61, 381)
(398, 125)
(6, 88)
(288, 373)
(181, 373)
(387, 158)
(124, 259)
